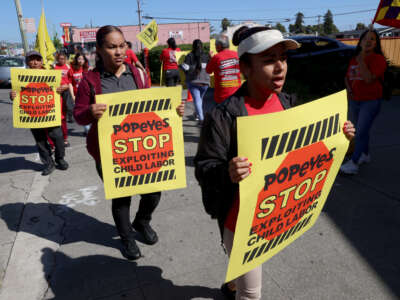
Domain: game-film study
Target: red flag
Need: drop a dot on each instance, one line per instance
(388, 13)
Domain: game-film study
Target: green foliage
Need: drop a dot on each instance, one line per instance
(361, 26)
(225, 23)
(280, 27)
(328, 25)
(155, 62)
(298, 26)
(57, 42)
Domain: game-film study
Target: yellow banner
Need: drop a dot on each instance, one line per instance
(149, 35)
(296, 155)
(44, 44)
(37, 104)
(141, 142)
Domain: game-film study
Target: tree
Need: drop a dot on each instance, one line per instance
(328, 26)
(280, 27)
(56, 41)
(298, 26)
(361, 26)
(225, 23)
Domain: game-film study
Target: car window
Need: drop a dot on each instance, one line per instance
(11, 62)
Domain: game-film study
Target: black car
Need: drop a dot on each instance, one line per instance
(318, 67)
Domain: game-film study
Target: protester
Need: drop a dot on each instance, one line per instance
(34, 60)
(113, 75)
(197, 78)
(364, 80)
(225, 66)
(262, 55)
(132, 59)
(79, 67)
(61, 64)
(170, 64)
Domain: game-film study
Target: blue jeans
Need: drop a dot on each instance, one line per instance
(364, 114)
(198, 92)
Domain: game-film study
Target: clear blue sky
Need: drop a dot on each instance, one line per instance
(123, 12)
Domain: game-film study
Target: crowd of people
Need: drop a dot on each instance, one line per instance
(261, 59)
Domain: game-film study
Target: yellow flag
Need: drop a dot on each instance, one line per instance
(149, 36)
(44, 45)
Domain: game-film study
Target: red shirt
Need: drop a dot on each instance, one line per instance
(362, 90)
(253, 107)
(75, 77)
(168, 59)
(131, 57)
(64, 73)
(225, 66)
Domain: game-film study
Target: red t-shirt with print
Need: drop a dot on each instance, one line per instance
(225, 66)
(64, 73)
(168, 58)
(131, 57)
(75, 77)
(362, 90)
(253, 108)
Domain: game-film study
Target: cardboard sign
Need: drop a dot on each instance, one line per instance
(296, 155)
(37, 104)
(141, 142)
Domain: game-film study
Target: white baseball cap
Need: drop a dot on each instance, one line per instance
(263, 40)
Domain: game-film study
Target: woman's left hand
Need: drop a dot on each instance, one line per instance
(62, 88)
(181, 109)
(349, 130)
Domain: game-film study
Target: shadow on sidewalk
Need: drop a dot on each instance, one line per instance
(18, 163)
(104, 277)
(17, 149)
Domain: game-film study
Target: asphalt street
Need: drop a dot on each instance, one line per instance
(58, 240)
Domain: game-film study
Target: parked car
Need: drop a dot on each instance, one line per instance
(6, 63)
(318, 67)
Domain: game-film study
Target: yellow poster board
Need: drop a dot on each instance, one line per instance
(296, 155)
(37, 104)
(141, 142)
(149, 35)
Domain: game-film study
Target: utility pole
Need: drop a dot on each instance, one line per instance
(21, 26)
(139, 11)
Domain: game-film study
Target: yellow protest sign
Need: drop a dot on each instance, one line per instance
(141, 142)
(296, 155)
(149, 36)
(213, 49)
(37, 104)
(180, 58)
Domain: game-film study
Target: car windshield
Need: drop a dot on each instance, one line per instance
(11, 62)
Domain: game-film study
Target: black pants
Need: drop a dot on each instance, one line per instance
(56, 135)
(121, 210)
(172, 77)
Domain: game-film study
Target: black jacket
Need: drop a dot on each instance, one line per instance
(217, 146)
(193, 75)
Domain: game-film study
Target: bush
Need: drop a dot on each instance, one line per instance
(154, 59)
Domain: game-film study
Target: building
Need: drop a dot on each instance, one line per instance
(355, 34)
(184, 33)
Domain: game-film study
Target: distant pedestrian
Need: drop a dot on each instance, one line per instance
(262, 55)
(34, 60)
(111, 75)
(132, 59)
(364, 80)
(170, 64)
(197, 78)
(225, 66)
(61, 64)
(79, 66)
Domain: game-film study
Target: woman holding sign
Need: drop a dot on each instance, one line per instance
(111, 75)
(364, 80)
(34, 60)
(262, 57)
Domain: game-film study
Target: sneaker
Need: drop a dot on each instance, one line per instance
(364, 159)
(130, 249)
(349, 168)
(228, 293)
(48, 169)
(149, 235)
(66, 144)
(62, 164)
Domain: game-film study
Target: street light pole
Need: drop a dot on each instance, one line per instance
(21, 26)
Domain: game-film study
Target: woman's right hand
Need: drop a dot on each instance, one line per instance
(97, 110)
(13, 94)
(239, 169)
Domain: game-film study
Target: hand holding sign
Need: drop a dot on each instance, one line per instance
(98, 109)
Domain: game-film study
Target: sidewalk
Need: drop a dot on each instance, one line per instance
(62, 243)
